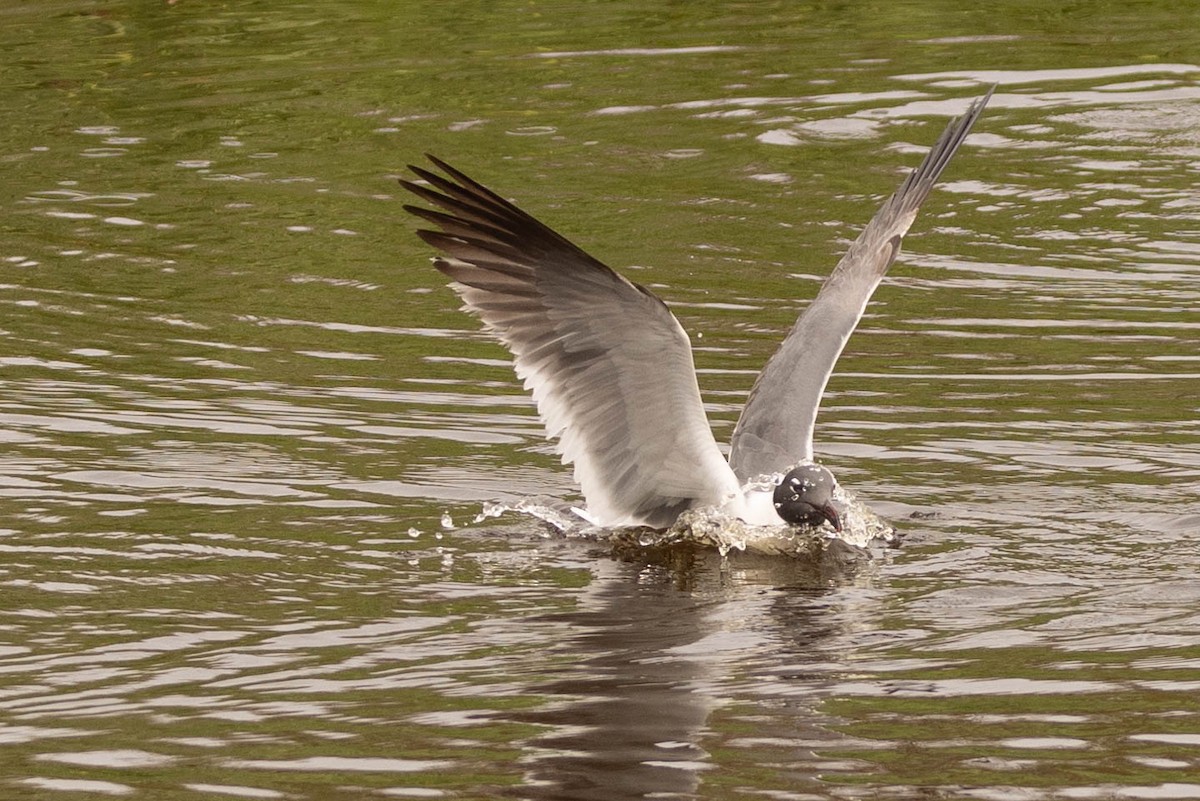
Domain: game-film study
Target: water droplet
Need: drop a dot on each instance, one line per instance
(490, 510)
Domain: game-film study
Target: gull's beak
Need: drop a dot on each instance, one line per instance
(831, 514)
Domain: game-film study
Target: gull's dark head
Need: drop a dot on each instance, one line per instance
(805, 497)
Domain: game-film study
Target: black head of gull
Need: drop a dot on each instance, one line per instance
(805, 497)
(611, 368)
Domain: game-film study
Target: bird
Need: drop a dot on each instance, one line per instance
(610, 367)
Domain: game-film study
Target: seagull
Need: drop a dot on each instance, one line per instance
(610, 367)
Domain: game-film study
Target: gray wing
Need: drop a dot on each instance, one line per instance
(775, 430)
(608, 364)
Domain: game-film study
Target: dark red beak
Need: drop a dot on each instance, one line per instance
(830, 514)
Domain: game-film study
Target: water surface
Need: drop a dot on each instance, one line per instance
(246, 429)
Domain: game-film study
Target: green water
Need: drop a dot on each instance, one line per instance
(236, 403)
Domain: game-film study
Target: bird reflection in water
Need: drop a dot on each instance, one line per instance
(657, 647)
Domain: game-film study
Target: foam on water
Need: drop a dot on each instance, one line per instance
(710, 527)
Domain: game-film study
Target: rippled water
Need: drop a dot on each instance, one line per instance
(246, 431)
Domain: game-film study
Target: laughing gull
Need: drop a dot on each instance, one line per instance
(611, 370)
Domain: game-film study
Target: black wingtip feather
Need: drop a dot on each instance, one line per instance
(475, 213)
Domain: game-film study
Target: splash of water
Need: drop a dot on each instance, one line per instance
(710, 527)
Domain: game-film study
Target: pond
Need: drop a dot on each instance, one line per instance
(251, 443)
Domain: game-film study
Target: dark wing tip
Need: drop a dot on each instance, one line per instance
(421, 172)
(918, 184)
(441, 165)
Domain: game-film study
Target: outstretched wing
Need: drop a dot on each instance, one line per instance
(608, 364)
(775, 430)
